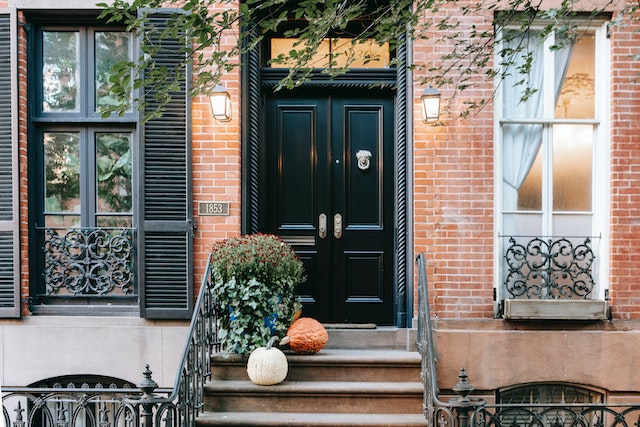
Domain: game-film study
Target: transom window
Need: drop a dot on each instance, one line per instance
(333, 53)
(553, 165)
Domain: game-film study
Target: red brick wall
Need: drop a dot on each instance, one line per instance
(625, 175)
(453, 195)
(216, 167)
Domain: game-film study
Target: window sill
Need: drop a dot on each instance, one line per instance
(515, 309)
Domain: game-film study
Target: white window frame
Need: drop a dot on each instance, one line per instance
(601, 160)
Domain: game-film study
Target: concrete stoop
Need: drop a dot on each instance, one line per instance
(336, 387)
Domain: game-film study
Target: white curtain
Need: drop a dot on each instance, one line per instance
(521, 142)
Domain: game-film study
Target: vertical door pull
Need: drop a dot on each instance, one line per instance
(322, 226)
(337, 226)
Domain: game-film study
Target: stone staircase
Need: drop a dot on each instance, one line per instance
(365, 377)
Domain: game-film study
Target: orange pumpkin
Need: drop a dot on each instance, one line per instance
(307, 336)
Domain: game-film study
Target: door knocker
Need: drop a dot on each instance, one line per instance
(364, 159)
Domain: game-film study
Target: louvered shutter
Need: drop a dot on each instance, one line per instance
(9, 243)
(166, 233)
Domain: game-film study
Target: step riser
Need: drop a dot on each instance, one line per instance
(327, 373)
(352, 403)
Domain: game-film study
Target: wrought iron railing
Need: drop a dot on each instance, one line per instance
(88, 261)
(127, 407)
(465, 410)
(549, 268)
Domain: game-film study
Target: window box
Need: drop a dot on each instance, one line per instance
(551, 309)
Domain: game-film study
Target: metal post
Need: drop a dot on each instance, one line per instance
(464, 404)
(148, 385)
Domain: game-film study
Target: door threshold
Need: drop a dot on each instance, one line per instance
(350, 325)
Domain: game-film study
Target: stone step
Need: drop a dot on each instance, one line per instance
(374, 338)
(316, 397)
(289, 419)
(333, 365)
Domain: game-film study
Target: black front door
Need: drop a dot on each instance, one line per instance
(329, 192)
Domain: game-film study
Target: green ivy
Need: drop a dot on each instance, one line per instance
(254, 277)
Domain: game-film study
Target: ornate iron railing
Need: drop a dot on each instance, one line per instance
(549, 268)
(88, 261)
(465, 410)
(127, 407)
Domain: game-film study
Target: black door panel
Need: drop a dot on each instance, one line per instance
(313, 172)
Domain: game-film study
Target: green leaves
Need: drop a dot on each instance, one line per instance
(255, 277)
(465, 37)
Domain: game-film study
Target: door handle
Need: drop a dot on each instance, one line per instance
(337, 226)
(322, 226)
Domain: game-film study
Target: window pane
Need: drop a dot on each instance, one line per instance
(119, 221)
(62, 171)
(362, 54)
(110, 48)
(522, 225)
(113, 170)
(522, 88)
(572, 225)
(572, 167)
(62, 221)
(60, 78)
(522, 167)
(577, 96)
(336, 52)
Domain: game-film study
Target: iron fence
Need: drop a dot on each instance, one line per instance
(144, 406)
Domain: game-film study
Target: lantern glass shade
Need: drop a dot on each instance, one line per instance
(220, 104)
(430, 103)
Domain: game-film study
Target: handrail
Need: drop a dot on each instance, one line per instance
(195, 364)
(94, 407)
(437, 411)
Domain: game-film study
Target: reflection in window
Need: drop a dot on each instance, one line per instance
(62, 171)
(113, 169)
(60, 59)
(110, 48)
(577, 95)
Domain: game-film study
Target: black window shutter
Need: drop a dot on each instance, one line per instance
(166, 233)
(9, 243)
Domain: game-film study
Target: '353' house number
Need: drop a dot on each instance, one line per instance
(213, 208)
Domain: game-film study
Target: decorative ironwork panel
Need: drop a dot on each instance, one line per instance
(88, 261)
(549, 269)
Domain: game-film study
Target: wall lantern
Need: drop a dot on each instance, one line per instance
(220, 104)
(430, 101)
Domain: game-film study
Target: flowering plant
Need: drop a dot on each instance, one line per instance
(254, 280)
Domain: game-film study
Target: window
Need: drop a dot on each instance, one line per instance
(569, 401)
(110, 228)
(85, 168)
(552, 166)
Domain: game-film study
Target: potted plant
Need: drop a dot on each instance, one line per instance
(254, 278)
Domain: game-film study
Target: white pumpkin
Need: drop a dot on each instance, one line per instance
(267, 365)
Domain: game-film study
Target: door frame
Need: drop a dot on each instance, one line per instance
(257, 80)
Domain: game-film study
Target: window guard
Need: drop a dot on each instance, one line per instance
(88, 261)
(548, 267)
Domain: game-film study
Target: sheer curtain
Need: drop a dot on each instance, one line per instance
(521, 142)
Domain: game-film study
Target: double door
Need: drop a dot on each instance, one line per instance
(329, 192)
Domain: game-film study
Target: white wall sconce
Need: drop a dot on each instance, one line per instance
(220, 104)
(430, 102)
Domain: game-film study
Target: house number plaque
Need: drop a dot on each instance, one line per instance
(213, 208)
